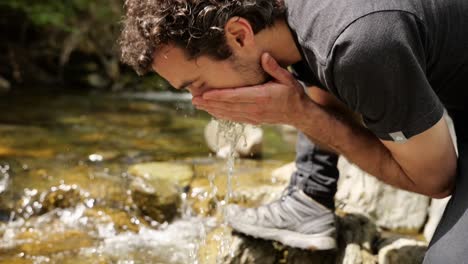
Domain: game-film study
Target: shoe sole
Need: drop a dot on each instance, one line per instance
(314, 242)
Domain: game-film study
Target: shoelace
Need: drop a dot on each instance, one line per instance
(288, 191)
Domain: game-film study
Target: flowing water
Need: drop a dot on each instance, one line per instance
(232, 133)
(64, 187)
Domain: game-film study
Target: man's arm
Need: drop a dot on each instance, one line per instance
(425, 164)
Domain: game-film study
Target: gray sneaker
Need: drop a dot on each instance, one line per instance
(295, 220)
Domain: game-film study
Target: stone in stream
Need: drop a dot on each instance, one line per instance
(5, 85)
(33, 203)
(436, 211)
(252, 185)
(389, 207)
(356, 236)
(407, 251)
(156, 188)
(177, 173)
(248, 146)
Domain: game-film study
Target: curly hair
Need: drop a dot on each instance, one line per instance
(197, 26)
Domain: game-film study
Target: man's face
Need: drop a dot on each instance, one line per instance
(203, 74)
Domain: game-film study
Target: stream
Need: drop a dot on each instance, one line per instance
(65, 193)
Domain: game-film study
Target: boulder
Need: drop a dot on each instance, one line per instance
(5, 85)
(222, 246)
(391, 208)
(156, 188)
(356, 235)
(403, 250)
(282, 175)
(436, 211)
(249, 145)
(288, 133)
(158, 199)
(252, 185)
(177, 173)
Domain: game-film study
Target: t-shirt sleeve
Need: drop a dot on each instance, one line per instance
(379, 70)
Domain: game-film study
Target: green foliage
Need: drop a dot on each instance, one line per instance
(64, 14)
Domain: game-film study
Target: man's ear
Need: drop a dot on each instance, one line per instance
(239, 33)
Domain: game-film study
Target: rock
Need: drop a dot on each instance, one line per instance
(288, 133)
(97, 81)
(5, 85)
(451, 127)
(436, 211)
(252, 185)
(282, 175)
(178, 174)
(391, 208)
(39, 203)
(158, 198)
(237, 249)
(356, 235)
(406, 251)
(248, 146)
(156, 188)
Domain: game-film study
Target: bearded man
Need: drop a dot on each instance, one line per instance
(398, 64)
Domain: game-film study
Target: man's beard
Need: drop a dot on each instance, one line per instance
(251, 71)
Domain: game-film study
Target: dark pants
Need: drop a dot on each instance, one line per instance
(450, 241)
(316, 174)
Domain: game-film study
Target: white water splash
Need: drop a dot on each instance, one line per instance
(175, 243)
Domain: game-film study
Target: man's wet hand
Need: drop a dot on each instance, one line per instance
(279, 101)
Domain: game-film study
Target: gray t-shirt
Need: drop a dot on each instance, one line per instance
(396, 62)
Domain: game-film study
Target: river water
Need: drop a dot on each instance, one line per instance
(81, 145)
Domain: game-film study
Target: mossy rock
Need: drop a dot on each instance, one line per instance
(158, 199)
(178, 174)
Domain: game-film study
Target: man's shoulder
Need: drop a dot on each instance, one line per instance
(319, 23)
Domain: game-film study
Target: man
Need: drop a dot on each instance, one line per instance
(396, 63)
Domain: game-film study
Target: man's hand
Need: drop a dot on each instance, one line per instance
(275, 102)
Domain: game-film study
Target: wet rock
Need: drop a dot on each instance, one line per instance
(282, 175)
(356, 236)
(178, 174)
(58, 242)
(248, 146)
(156, 188)
(252, 185)
(38, 203)
(237, 249)
(288, 133)
(158, 198)
(33, 241)
(436, 211)
(121, 220)
(359, 192)
(5, 85)
(406, 251)
(97, 81)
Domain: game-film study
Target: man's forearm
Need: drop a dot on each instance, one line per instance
(355, 142)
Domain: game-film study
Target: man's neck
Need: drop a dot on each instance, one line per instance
(279, 41)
